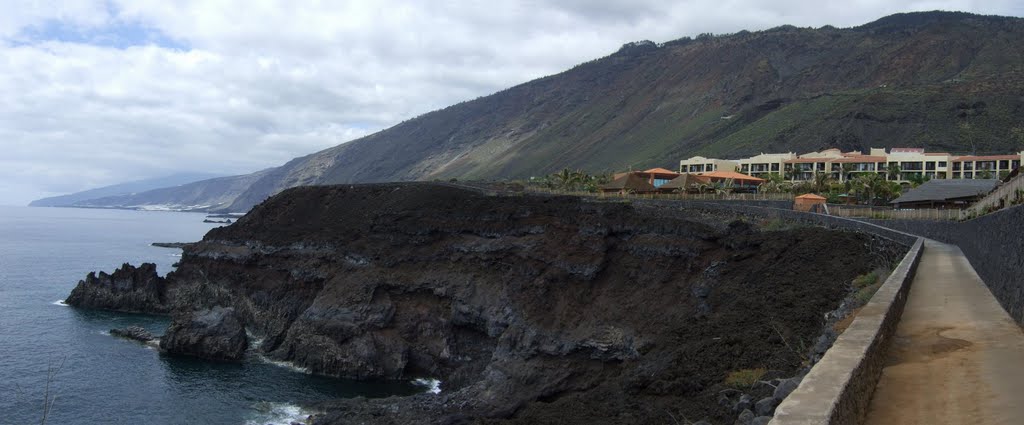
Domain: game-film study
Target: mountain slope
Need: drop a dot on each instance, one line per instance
(122, 189)
(204, 195)
(939, 80)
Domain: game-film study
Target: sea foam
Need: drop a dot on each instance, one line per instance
(278, 413)
(60, 303)
(433, 385)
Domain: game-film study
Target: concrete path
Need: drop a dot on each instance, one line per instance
(958, 357)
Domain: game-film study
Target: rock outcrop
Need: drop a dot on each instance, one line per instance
(129, 288)
(137, 333)
(529, 309)
(215, 334)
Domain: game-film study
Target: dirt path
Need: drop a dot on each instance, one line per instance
(958, 357)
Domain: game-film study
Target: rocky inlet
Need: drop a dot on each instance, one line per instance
(529, 309)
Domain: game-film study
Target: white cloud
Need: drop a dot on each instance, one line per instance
(100, 92)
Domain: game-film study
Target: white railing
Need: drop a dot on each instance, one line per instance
(891, 214)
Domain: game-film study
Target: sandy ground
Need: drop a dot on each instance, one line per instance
(957, 358)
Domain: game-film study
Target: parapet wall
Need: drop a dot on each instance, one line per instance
(993, 243)
(788, 215)
(838, 389)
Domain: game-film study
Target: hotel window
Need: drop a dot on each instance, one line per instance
(968, 166)
(956, 166)
(968, 175)
(821, 166)
(956, 175)
(1004, 164)
(709, 167)
(1016, 164)
(929, 166)
(775, 167)
(942, 164)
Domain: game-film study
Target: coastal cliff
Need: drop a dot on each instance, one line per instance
(529, 309)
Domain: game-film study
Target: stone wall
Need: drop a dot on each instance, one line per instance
(741, 208)
(992, 243)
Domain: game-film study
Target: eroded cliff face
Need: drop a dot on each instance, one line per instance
(530, 309)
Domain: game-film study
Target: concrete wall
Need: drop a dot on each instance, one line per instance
(788, 215)
(993, 243)
(838, 389)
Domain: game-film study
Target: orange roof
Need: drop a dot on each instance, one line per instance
(731, 175)
(811, 196)
(985, 157)
(660, 171)
(936, 154)
(807, 160)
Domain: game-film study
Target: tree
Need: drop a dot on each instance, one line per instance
(845, 171)
(869, 187)
(893, 171)
(917, 179)
(821, 182)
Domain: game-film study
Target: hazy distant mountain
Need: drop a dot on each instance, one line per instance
(122, 189)
(205, 195)
(939, 80)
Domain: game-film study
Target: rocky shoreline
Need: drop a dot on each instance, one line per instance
(529, 309)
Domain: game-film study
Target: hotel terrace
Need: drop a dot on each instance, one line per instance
(847, 165)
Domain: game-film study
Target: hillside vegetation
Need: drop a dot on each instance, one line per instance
(940, 80)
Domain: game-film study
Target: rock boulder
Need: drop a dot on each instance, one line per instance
(215, 334)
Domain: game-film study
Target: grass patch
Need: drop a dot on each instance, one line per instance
(867, 284)
(744, 378)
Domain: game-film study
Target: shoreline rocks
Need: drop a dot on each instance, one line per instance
(136, 333)
(214, 334)
(129, 289)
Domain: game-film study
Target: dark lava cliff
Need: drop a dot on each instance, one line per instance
(530, 309)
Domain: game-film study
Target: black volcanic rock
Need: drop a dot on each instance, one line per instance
(129, 288)
(531, 309)
(137, 333)
(215, 334)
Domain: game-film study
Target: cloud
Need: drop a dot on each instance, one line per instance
(101, 92)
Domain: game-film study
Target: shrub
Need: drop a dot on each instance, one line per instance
(745, 378)
(864, 280)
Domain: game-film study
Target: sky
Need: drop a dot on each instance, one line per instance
(94, 93)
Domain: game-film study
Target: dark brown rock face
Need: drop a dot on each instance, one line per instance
(129, 288)
(215, 334)
(529, 309)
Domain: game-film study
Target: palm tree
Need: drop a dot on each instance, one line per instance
(821, 181)
(893, 170)
(868, 186)
(845, 171)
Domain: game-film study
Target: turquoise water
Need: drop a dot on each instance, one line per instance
(44, 252)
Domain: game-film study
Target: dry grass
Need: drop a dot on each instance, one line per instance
(744, 378)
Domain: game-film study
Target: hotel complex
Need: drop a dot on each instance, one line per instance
(847, 165)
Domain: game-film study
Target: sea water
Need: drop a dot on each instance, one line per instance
(95, 378)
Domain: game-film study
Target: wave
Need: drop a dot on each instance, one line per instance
(281, 363)
(278, 413)
(433, 385)
(60, 303)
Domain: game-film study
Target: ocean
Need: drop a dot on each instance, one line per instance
(94, 378)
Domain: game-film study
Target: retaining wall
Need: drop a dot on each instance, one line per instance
(993, 243)
(838, 389)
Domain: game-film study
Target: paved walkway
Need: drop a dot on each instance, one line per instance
(957, 357)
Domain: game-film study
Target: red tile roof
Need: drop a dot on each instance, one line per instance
(985, 157)
(731, 175)
(811, 196)
(660, 171)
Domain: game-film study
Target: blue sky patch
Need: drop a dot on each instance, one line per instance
(117, 34)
